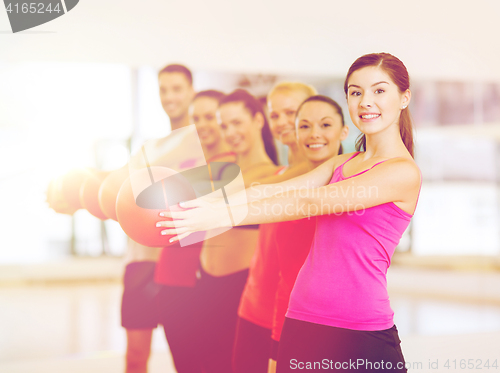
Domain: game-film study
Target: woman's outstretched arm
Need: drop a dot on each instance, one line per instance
(396, 180)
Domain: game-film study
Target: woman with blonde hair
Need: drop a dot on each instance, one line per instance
(252, 346)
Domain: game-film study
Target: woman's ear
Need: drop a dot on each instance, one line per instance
(344, 133)
(259, 120)
(405, 101)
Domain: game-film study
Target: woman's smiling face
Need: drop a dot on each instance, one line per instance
(203, 115)
(320, 131)
(374, 100)
(239, 128)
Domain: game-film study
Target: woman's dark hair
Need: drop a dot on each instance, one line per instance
(210, 93)
(254, 106)
(396, 70)
(332, 103)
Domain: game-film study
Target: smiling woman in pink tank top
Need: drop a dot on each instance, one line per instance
(339, 316)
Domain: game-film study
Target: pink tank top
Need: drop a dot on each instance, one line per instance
(343, 280)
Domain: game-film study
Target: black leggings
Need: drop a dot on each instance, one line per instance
(315, 347)
(178, 313)
(218, 299)
(252, 347)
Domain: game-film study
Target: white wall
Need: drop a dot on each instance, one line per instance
(441, 39)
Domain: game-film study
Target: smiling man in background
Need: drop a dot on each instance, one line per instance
(161, 293)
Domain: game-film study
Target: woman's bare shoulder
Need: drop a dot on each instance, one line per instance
(405, 166)
(401, 171)
(339, 159)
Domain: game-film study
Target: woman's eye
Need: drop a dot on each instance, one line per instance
(273, 116)
(355, 93)
(380, 90)
(303, 126)
(327, 125)
(290, 113)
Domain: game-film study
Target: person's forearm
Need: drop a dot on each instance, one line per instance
(300, 203)
(282, 206)
(255, 193)
(294, 183)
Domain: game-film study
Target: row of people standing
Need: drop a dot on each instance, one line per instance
(242, 314)
(209, 325)
(170, 285)
(222, 303)
(339, 315)
(232, 330)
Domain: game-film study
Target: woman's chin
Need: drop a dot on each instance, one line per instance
(207, 142)
(239, 149)
(288, 139)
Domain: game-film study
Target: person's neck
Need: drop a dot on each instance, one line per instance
(313, 164)
(295, 155)
(179, 122)
(384, 144)
(257, 154)
(212, 150)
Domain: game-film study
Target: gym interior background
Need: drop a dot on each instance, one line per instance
(82, 91)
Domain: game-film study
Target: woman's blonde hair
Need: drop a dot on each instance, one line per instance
(293, 86)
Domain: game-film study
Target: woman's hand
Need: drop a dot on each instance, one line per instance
(201, 214)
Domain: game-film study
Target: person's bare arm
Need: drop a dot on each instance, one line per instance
(396, 180)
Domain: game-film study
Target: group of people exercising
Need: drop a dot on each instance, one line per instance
(303, 286)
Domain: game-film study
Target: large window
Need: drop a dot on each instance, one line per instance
(55, 117)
